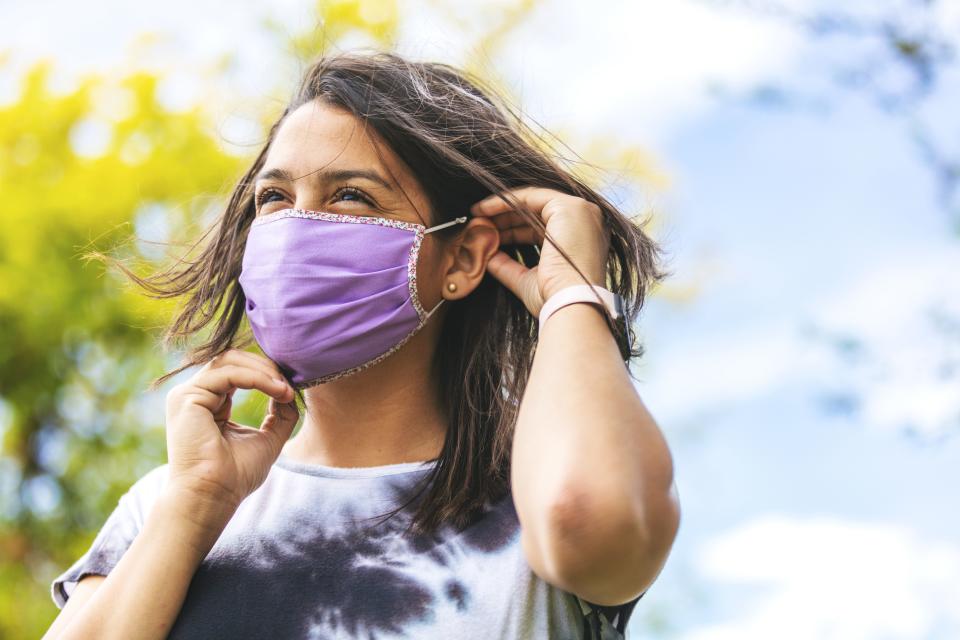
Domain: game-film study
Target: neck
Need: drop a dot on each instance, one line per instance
(387, 414)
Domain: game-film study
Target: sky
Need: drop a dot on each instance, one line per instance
(816, 485)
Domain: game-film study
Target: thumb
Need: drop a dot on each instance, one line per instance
(281, 420)
(509, 272)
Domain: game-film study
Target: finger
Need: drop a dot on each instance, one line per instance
(521, 235)
(245, 358)
(280, 421)
(223, 413)
(262, 360)
(508, 219)
(535, 198)
(222, 380)
(509, 272)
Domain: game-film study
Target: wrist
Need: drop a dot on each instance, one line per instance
(606, 302)
(198, 519)
(551, 288)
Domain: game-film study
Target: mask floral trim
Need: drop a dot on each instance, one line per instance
(417, 229)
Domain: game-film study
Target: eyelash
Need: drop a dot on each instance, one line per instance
(357, 192)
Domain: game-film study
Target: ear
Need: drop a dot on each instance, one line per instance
(469, 254)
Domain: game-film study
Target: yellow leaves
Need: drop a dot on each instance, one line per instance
(376, 17)
(74, 169)
(373, 21)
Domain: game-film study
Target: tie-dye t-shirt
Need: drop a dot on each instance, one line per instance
(297, 560)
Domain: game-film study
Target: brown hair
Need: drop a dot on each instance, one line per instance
(462, 143)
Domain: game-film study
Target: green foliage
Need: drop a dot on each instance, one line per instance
(78, 345)
(94, 170)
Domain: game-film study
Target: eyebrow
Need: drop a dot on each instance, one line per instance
(337, 175)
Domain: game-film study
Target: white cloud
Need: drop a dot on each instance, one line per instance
(830, 578)
(641, 67)
(705, 372)
(893, 309)
(900, 381)
(885, 302)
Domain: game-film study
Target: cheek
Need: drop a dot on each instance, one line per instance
(430, 268)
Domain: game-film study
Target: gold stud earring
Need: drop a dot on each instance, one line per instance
(451, 286)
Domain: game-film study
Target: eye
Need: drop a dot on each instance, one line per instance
(262, 198)
(356, 192)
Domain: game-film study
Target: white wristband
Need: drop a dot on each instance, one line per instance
(578, 293)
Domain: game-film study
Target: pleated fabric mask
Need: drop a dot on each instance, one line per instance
(331, 294)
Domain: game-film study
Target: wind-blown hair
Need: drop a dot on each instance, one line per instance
(462, 143)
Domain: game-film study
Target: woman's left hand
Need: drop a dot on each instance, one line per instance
(575, 224)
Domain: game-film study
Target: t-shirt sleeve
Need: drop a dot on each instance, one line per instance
(114, 537)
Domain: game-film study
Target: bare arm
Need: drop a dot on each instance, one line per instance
(214, 463)
(593, 476)
(591, 473)
(84, 589)
(142, 595)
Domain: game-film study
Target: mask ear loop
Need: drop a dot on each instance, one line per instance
(459, 220)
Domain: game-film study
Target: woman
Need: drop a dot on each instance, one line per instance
(474, 460)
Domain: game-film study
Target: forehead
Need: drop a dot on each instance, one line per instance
(316, 136)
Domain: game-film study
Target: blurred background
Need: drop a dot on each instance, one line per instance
(801, 160)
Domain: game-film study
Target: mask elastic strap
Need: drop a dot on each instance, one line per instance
(459, 220)
(430, 313)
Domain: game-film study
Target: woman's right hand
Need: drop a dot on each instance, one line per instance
(211, 456)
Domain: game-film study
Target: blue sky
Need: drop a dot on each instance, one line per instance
(797, 522)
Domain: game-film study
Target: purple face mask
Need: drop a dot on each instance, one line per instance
(331, 294)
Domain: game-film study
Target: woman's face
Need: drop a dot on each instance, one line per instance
(321, 159)
(331, 146)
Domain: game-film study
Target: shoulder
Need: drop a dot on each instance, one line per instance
(152, 481)
(144, 492)
(114, 536)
